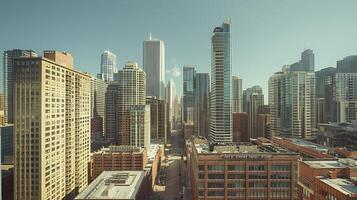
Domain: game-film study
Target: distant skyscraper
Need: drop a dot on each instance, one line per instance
(170, 99)
(263, 122)
(255, 101)
(347, 65)
(111, 109)
(221, 90)
(8, 65)
(246, 96)
(292, 102)
(132, 91)
(98, 89)
(53, 113)
(154, 67)
(201, 104)
(237, 94)
(306, 63)
(139, 119)
(188, 86)
(108, 65)
(158, 118)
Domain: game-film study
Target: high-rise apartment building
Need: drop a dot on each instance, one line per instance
(188, 87)
(52, 127)
(221, 90)
(292, 102)
(259, 170)
(139, 125)
(347, 65)
(154, 67)
(306, 63)
(201, 104)
(108, 65)
(158, 118)
(111, 132)
(132, 91)
(98, 89)
(237, 94)
(247, 94)
(8, 64)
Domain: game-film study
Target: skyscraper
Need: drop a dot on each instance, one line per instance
(237, 94)
(154, 67)
(188, 86)
(201, 104)
(139, 119)
(170, 99)
(111, 109)
(8, 59)
(108, 65)
(98, 89)
(347, 65)
(132, 91)
(247, 93)
(306, 63)
(221, 90)
(255, 100)
(158, 118)
(53, 113)
(292, 102)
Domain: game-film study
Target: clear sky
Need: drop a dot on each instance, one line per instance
(266, 33)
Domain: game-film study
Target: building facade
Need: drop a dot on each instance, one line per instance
(132, 91)
(139, 120)
(108, 65)
(53, 114)
(154, 67)
(255, 101)
(188, 98)
(111, 108)
(201, 104)
(158, 119)
(98, 90)
(221, 90)
(237, 94)
(240, 127)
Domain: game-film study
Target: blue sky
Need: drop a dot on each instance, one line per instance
(267, 33)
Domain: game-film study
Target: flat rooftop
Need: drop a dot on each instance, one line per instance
(121, 149)
(343, 185)
(311, 145)
(122, 185)
(340, 163)
(203, 147)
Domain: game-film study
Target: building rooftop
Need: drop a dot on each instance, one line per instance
(310, 145)
(121, 149)
(265, 147)
(114, 185)
(340, 163)
(345, 186)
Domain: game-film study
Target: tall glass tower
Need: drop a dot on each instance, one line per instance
(221, 90)
(108, 65)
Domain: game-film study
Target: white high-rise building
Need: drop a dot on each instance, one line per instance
(139, 117)
(108, 65)
(154, 67)
(132, 85)
(221, 85)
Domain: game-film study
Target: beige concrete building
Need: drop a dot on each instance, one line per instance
(52, 127)
(139, 119)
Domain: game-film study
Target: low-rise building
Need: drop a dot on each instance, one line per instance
(119, 185)
(251, 170)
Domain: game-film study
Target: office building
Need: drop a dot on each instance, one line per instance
(292, 102)
(240, 127)
(139, 125)
(111, 122)
(7, 143)
(201, 104)
(188, 87)
(8, 63)
(158, 119)
(53, 113)
(171, 104)
(324, 94)
(123, 185)
(221, 90)
(247, 93)
(255, 101)
(154, 67)
(132, 91)
(327, 179)
(263, 121)
(118, 158)
(237, 94)
(108, 65)
(260, 170)
(306, 63)
(98, 90)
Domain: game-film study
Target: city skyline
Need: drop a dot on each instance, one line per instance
(302, 28)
